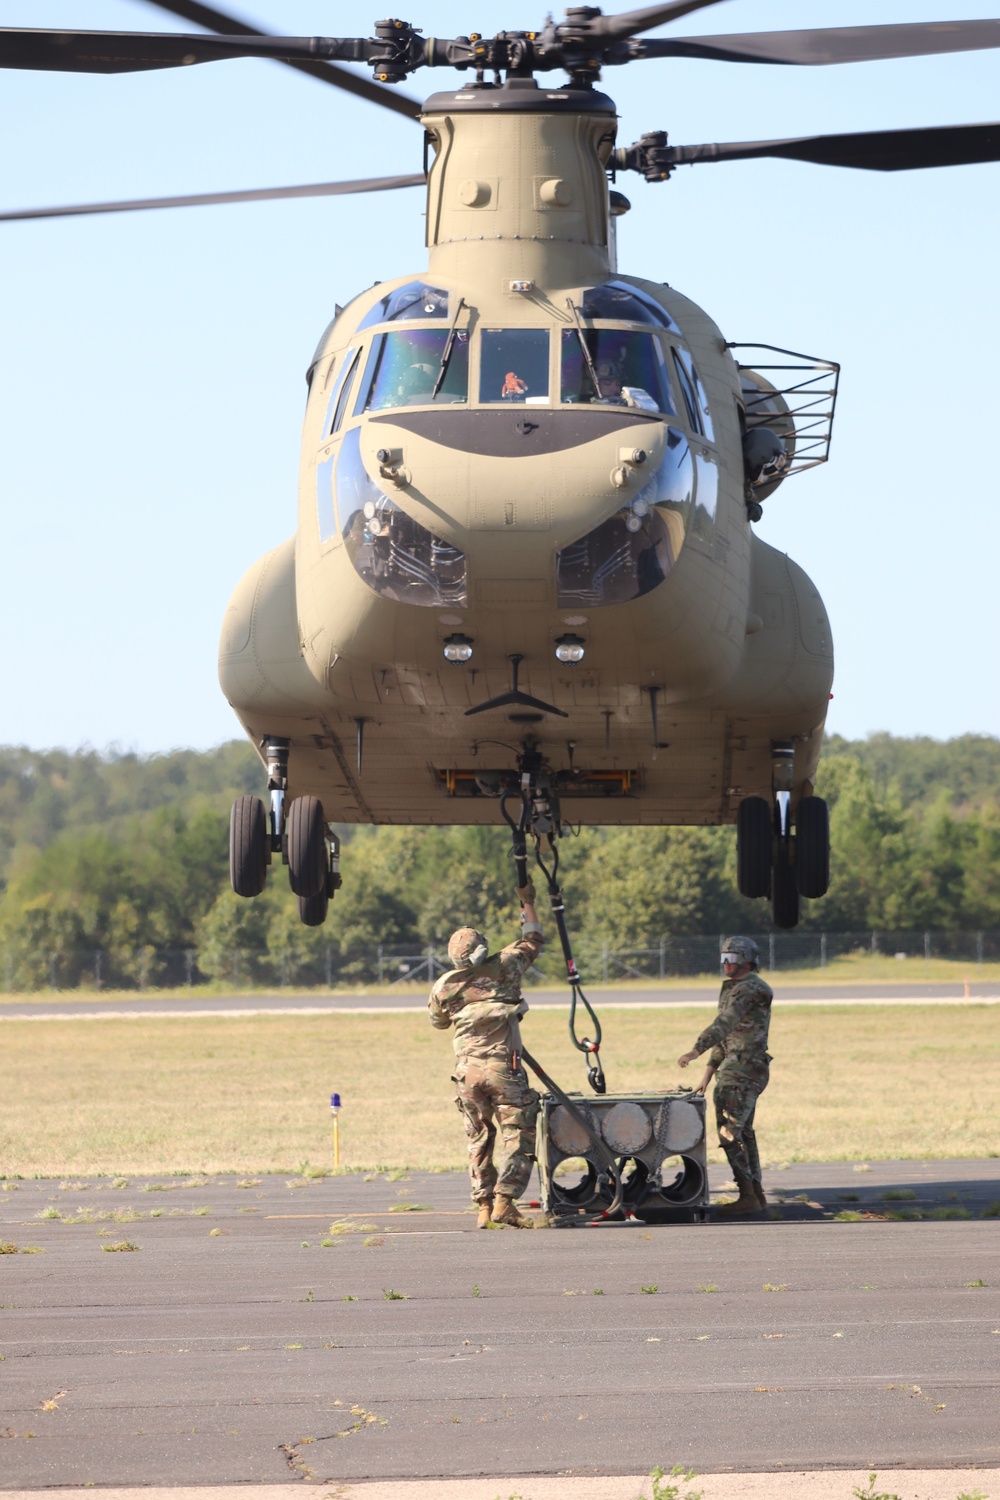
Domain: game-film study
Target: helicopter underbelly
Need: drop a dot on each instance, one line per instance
(668, 719)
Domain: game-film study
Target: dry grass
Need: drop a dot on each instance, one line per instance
(250, 1095)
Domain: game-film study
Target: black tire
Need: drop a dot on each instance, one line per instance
(306, 846)
(248, 846)
(784, 894)
(313, 909)
(812, 847)
(754, 828)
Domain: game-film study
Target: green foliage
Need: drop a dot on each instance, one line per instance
(667, 1491)
(128, 856)
(870, 1493)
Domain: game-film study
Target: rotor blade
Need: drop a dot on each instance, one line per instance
(630, 23)
(245, 195)
(139, 51)
(352, 83)
(838, 44)
(876, 150)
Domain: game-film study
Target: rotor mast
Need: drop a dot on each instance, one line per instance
(517, 187)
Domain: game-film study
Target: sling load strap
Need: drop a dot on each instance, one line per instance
(590, 1049)
(606, 1157)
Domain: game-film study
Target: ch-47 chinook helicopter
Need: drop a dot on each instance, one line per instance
(524, 564)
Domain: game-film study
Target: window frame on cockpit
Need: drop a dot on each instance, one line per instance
(693, 393)
(515, 397)
(578, 335)
(340, 393)
(376, 350)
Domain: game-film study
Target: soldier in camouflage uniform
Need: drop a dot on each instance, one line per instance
(740, 1059)
(481, 997)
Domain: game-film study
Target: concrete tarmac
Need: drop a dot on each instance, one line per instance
(368, 1002)
(233, 1346)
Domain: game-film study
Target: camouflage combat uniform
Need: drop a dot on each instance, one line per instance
(738, 1039)
(484, 1004)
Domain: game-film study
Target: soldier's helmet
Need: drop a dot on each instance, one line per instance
(740, 950)
(467, 948)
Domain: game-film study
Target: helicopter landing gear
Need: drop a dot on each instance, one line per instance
(296, 830)
(784, 891)
(754, 836)
(248, 852)
(779, 856)
(306, 846)
(812, 847)
(313, 909)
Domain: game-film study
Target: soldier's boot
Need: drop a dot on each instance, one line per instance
(505, 1212)
(746, 1203)
(758, 1188)
(485, 1213)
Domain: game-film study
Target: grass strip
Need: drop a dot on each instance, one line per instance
(251, 1094)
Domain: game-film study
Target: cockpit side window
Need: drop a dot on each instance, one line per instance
(623, 369)
(694, 394)
(514, 366)
(408, 368)
(414, 300)
(338, 396)
(616, 299)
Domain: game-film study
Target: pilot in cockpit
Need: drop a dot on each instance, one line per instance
(609, 383)
(414, 385)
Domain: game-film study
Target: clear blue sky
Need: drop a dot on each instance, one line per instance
(151, 376)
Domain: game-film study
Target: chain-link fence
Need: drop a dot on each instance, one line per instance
(330, 967)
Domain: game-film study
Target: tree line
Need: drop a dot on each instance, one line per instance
(126, 856)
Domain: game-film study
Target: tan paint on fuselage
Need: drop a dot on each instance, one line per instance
(735, 639)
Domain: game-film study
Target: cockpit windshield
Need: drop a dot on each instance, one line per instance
(405, 369)
(619, 368)
(514, 365)
(414, 300)
(616, 299)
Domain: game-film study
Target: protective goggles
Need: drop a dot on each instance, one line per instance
(731, 958)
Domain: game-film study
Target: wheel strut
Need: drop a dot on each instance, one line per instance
(276, 755)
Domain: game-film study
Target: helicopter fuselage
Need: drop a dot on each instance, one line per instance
(521, 453)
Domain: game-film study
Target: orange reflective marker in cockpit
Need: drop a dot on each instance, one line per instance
(513, 386)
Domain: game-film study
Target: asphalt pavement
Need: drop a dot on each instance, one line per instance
(233, 1346)
(364, 1002)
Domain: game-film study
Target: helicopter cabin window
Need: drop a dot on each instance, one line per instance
(618, 300)
(414, 300)
(633, 550)
(611, 367)
(415, 367)
(338, 396)
(693, 392)
(391, 552)
(514, 366)
(620, 560)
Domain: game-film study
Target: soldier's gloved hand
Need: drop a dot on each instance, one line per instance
(526, 894)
